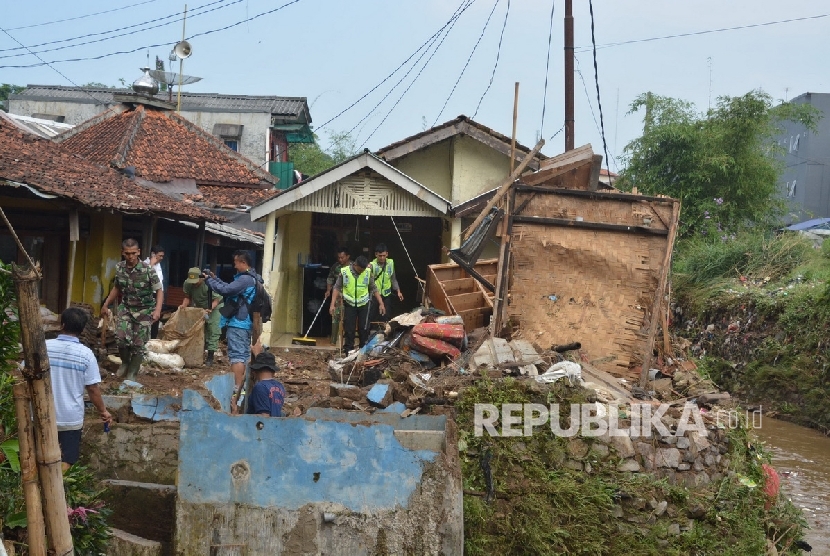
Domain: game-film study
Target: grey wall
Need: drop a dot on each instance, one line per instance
(805, 158)
(254, 132)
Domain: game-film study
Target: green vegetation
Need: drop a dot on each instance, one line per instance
(720, 164)
(776, 291)
(311, 159)
(542, 507)
(7, 89)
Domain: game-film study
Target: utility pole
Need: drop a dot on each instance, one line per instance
(569, 75)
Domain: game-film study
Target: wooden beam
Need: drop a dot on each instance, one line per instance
(505, 185)
(583, 153)
(416, 144)
(496, 144)
(588, 225)
(548, 174)
(657, 302)
(593, 194)
(596, 167)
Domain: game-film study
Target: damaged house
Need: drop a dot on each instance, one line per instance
(71, 215)
(143, 137)
(401, 196)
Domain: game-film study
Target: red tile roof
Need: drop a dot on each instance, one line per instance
(232, 196)
(46, 167)
(162, 146)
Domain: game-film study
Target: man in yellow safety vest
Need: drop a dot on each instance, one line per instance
(356, 286)
(383, 273)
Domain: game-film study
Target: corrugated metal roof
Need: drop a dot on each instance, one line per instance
(209, 102)
(815, 223)
(37, 126)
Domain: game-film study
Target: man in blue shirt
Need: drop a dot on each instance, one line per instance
(237, 296)
(73, 368)
(267, 395)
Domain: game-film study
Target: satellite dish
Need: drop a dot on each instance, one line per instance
(172, 78)
(183, 50)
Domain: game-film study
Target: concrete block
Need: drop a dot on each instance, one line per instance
(156, 408)
(396, 407)
(380, 395)
(347, 391)
(147, 510)
(125, 544)
(421, 440)
(524, 351)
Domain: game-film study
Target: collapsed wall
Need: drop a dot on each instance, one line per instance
(329, 482)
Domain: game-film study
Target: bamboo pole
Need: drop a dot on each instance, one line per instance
(36, 373)
(28, 470)
(657, 302)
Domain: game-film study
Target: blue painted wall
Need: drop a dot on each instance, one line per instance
(289, 462)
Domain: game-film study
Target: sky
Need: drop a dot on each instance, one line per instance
(335, 52)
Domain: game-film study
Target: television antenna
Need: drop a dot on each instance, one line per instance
(171, 78)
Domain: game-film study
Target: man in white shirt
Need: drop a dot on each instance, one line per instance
(73, 369)
(154, 260)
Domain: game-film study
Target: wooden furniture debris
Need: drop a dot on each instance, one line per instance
(584, 265)
(451, 289)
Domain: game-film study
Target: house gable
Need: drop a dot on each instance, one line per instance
(362, 185)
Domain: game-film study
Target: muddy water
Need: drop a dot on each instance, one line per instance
(802, 458)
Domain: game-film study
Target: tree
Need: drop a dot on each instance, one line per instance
(7, 89)
(722, 165)
(311, 159)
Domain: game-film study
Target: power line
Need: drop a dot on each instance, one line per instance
(475, 47)
(80, 16)
(547, 70)
(496, 65)
(146, 46)
(694, 33)
(464, 4)
(431, 56)
(97, 101)
(590, 104)
(596, 80)
(178, 16)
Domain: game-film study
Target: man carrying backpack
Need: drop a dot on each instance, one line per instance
(236, 314)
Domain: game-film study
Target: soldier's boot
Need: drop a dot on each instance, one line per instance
(209, 360)
(124, 354)
(135, 365)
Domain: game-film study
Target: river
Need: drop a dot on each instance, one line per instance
(802, 458)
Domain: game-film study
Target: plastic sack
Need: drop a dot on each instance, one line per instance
(187, 325)
(165, 360)
(564, 369)
(162, 346)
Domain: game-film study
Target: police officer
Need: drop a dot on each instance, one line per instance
(356, 286)
(386, 281)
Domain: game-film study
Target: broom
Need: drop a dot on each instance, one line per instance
(305, 340)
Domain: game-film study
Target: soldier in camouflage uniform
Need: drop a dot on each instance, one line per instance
(141, 298)
(343, 261)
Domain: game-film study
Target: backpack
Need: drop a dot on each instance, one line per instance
(262, 300)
